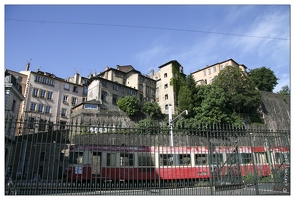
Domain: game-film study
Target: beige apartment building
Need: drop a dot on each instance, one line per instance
(207, 74)
(165, 93)
(48, 100)
(128, 76)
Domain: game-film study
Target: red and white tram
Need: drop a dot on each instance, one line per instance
(145, 163)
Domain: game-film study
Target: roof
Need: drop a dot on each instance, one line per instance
(170, 62)
(218, 64)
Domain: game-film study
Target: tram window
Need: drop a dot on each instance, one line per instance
(260, 157)
(231, 158)
(146, 159)
(166, 160)
(217, 159)
(246, 158)
(76, 158)
(126, 159)
(282, 157)
(201, 159)
(111, 159)
(184, 159)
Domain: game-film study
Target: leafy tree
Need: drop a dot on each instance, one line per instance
(152, 109)
(239, 91)
(230, 95)
(263, 78)
(285, 90)
(129, 104)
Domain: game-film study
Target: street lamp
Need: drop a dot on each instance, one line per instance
(172, 120)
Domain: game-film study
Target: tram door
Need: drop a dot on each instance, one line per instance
(96, 163)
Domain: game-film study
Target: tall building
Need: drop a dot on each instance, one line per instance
(207, 74)
(129, 77)
(13, 99)
(48, 100)
(165, 92)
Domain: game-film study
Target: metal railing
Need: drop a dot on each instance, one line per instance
(104, 159)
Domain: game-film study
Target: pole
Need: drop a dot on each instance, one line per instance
(170, 125)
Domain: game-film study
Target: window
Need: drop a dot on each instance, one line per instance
(67, 86)
(33, 106)
(165, 75)
(146, 159)
(166, 86)
(51, 82)
(31, 123)
(63, 112)
(13, 105)
(210, 80)
(166, 160)
(126, 159)
(201, 159)
(65, 98)
(42, 93)
(45, 80)
(115, 99)
(115, 87)
(103, 96)
(40, 107)
(37, 78)
(42, 125)
(35, 92)
(184, 159)
(47, 109)
(214, 69)
(49, 95)
(104, 84)
(74, 101)
(166, 107)
(217, 159)
(90, 106)
(152, 92)
(209, 71)
(166, 96)
(231, 158)
(75, 89)
(204, 72)
(85, 89)
(246, 158)
(221, 67)
(76, 158)
(111, 159)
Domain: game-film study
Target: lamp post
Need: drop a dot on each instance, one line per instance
(171, 122)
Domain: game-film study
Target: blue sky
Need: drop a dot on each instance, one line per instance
(63, 39)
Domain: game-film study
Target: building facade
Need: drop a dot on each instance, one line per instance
(165, 92)
(206, 75)
(13, 100)
(48, 100)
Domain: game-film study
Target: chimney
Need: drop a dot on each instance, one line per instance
(28, 66)
(152, 73)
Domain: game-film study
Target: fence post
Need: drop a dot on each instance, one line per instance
(254, 165)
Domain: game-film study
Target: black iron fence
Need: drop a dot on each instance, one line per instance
(107, 159)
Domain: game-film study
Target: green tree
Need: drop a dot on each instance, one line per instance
(239, 91)
(152, 109)
(285, 90)
(129, 104)
(263, 78)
